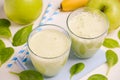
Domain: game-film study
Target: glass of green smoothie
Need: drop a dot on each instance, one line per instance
(87, 28)
(49, 47)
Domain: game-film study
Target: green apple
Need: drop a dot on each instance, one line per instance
(23, 11)
(109, 7)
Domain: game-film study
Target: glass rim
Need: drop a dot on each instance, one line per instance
(65, 52)
(106, 30)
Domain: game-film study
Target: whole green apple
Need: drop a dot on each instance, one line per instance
(23, 11)
(111, 8)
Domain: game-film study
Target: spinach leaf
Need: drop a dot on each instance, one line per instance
(21, 35)
(5, 22)
(97, 77)
(4, 28)
(110, 43)
(112, 59)
(2, 45)
(5, 32)
(76, 68)
(119, 34)
(5, 54)
(29, 75)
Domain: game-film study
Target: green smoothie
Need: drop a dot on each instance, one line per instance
(49, 50)
(87, 29)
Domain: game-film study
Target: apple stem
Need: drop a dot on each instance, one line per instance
(103, 8)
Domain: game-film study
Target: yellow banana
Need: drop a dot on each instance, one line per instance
(70, 5)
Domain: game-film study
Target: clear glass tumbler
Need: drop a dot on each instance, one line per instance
(85, 47)
(49, 64)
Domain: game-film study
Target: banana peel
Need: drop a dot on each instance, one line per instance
(70, 5)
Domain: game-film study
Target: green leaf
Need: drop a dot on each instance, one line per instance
(97, 77)
(112, 59)
(5, 32)
(119, 34)
(5, 54)
(2, 45)
(76, 68)
(21, 36)
(29, 75)
(5, 22)
(110, 43)
(4, 28)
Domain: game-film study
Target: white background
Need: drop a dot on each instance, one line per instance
(114, 74)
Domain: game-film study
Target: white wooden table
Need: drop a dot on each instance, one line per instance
(113, 75)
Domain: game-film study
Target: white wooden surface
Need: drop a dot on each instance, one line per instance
(113, 75)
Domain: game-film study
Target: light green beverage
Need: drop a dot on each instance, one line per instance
(49, 49)
(88, 29)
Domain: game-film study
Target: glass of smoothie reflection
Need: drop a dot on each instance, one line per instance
(49, 47)
(87, 28)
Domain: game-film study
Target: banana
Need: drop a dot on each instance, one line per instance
(70, 5)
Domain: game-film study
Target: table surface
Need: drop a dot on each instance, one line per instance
(113, 74)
